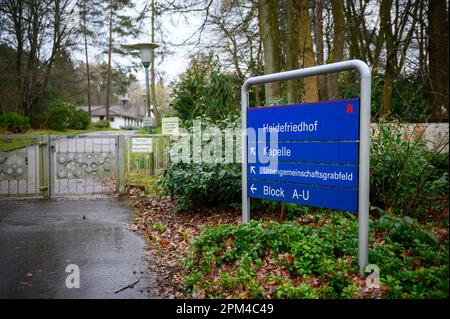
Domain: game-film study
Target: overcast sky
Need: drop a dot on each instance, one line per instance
(176, 31)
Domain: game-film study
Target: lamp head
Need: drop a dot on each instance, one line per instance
(145, 49)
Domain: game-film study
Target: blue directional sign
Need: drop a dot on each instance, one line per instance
(305, 154)
(316, 174)
(320, 121)
(310, 152)
(326, 197)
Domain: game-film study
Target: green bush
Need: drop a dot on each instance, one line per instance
(205, 89)
(102, 124)
(59, 115)
(404, 173)
(80, 120)
(202, 184)
(63, 115)
(413, 262)
(14, 122)
(205, 183)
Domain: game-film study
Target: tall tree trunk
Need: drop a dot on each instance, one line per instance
(88, 75)
(109, 76)
(438, 57)
(379, 41)
(388, 85)
(318, 40)
(19, 30)
(58, 29)
(337, 53)
(256, 67)
(389, 74)
(152, 68)
(292, 50)
(270, 36)
(21, 14)
(306, 51)
(257, 90)
(421, 40)
(354, 28)
(32, 63)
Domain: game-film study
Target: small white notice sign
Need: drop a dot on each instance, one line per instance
(141, 144)
(170, 125)
(148, 122)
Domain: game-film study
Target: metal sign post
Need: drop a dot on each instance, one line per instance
(335, 197)
(148, 122)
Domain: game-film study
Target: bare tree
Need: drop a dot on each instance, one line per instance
(438, 50)
(270, 38)
(112, 8)
(318, 41)
(120, 25)
(337, 53)
(397, 35)
(292, 50)
(306, 50)
(91, 21)
(38, 30)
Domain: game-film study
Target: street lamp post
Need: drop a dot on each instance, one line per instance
(149, 102)
(146, 51)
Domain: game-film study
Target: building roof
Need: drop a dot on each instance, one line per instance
(135, 112)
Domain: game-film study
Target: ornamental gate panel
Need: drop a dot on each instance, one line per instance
(84, 165)
(58, 166)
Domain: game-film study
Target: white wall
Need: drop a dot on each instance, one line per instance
(120, 121)
(435, 134)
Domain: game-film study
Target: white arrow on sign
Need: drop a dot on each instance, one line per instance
(253, 150)
(253, 188)
(252, 169)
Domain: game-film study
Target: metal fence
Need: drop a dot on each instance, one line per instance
(58, 166)
(146, 156)
(55, 166)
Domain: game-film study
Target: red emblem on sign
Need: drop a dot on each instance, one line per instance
(349, 108)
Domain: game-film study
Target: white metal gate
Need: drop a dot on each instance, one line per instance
(84, 165)
(54, 166)
(23, 166)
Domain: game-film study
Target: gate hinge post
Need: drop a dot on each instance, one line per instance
(120, 151)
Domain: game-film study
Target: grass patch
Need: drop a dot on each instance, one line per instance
(159, 227)
(155, 130)
(9, 142)
(15, 143)
(143, 181)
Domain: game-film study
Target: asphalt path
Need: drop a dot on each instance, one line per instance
(40, 239)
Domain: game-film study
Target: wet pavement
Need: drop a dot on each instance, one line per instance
(39, 239)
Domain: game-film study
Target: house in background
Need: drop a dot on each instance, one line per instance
(119, 115)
